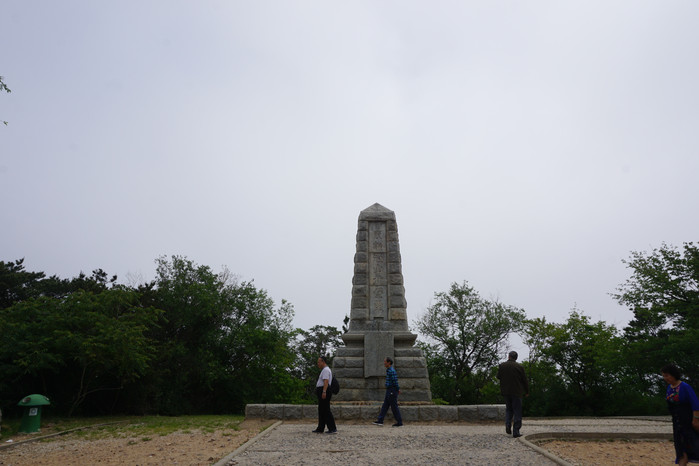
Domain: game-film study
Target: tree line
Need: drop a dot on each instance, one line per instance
(190, 341)
(577, 367)
(196, 341)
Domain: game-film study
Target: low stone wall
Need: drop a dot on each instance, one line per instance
(369, 412)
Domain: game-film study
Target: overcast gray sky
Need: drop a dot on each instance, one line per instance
(526, 147)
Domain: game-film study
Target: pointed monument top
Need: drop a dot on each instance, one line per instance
(377, 212)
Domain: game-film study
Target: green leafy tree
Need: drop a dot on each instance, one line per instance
(190, 356)
(76, 346)
(262, 355)
(16, 283)
(28, 346)
(663, 293)
(582, 351)
(106, 340)
(466, 335)
(575, 365)
(547, 390)
(221, 343)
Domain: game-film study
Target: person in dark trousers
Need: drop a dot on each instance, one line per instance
(683, 404)
(391, 398)
(513, 386)
(325, 416)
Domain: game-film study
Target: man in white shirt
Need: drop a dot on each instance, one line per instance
(325, 416)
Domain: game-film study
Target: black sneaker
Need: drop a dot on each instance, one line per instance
(508, 429)
(516, 434)
(378, 423)
(332, 431)
(316, 431)
(397, 425)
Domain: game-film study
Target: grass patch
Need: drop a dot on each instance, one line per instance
(125, 426)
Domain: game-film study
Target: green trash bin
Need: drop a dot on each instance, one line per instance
(31, 420)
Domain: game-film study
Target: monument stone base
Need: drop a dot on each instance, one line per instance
(369, 412)
(362, 383)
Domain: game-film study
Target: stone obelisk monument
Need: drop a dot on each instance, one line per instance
(378, 325)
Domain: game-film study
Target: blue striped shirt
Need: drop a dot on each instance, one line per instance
(391, 378)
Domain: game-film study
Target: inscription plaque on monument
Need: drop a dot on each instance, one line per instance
(378, 324)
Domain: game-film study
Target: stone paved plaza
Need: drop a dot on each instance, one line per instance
(483, 443)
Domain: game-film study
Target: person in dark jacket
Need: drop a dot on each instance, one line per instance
(513, 386)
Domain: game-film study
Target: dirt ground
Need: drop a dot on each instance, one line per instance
(199, 448)
(627, 452)
(194, 448)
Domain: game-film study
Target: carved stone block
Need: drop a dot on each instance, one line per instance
(293, 411)
(428, 413)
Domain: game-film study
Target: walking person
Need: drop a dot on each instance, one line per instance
(683, 404)
(513, 386)
(325, 416)
(391, 398)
